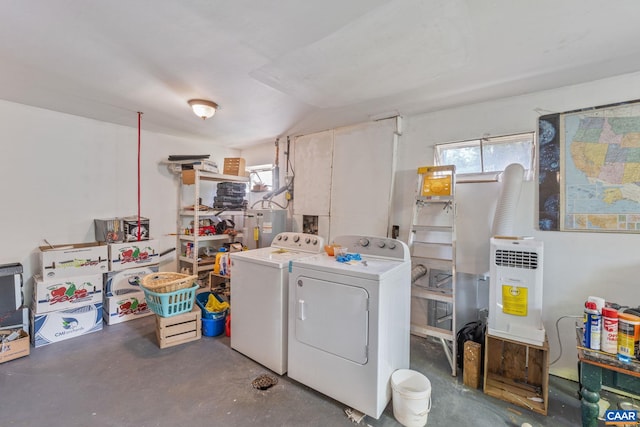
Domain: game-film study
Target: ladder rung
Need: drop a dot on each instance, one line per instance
(444, 295)
(445, 244)
(430, 331)
(442, 228)
(435, 263)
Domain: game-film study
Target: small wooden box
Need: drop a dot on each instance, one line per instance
(234, 166)
(179, 329)
(517, 372)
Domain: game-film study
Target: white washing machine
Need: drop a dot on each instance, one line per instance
(259, 297)
(349, 322)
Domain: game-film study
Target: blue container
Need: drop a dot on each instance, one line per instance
(201, 300)
(215, 326)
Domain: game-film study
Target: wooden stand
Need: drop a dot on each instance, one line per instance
(179, 329)
(517, 373)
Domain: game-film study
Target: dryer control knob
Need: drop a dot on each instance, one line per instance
(307, 240)
(296, 238)
(315, 241)
(285, 238)
(364, 242)
(392, 245)
(381, 244)
(279, 237)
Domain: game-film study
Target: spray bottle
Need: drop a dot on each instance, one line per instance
(594, 321)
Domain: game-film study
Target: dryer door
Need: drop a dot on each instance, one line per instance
(332, 317)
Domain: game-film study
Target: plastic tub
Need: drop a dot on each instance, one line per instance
(411, 397)
(201, 300)
(214, 326)
(169, 304)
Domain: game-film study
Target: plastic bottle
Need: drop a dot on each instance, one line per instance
(592, 326)
(609, 341)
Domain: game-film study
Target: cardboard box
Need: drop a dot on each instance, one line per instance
(62, 325)
(119, 283)
(15, 319)
(62, 294)
(121, 308)
(130, 227)
(188, 176)
(133, 254)
(234, 166)
(109, 230)
(76, 259)
(16, 348)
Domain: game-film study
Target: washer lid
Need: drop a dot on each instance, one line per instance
(274, 257)
(372, 268)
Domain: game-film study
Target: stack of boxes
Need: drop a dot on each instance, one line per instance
(81, 285)
(130, 259)
(67, 292)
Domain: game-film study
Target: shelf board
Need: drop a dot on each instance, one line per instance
(210, 176)
(211, 212)
(442, 228)
(192, 238)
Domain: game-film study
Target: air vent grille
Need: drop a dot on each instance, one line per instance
(517, 259)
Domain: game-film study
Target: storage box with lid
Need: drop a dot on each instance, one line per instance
(133, 254)
(75, 259)
(62, 325)
(62, 294)
(122, 308)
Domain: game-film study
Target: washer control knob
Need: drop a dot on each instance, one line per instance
(307, 240)
(285, 238)
(296, 238)
(391, 245)
(364, 242)
(381, 244)
(315, 241)
(279, 237)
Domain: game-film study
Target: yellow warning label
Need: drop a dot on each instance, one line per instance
(514, 300)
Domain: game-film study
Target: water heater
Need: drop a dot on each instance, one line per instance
(515, 291)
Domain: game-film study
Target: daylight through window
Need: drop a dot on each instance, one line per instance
(488, 155)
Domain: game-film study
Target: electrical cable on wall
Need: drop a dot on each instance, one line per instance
(558, 334)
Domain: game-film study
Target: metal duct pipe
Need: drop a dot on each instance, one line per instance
(417, 272)
(509, 194)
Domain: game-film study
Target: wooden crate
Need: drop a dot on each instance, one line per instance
(179, 329)
(234, 166)
(517, 372)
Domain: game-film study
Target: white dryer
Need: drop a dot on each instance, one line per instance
(259, 297)
(349, 321)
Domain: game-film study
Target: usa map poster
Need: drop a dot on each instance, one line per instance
(599, 169)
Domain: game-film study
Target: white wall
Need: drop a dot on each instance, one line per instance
(576, 265)
(59, 172)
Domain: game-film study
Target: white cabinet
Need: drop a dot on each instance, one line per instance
(193, 235)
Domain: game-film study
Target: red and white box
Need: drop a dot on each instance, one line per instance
(133, 254)
(121, 308)
(75, 259)
(63, 294)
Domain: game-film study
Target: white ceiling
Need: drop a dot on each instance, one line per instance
(295, 66)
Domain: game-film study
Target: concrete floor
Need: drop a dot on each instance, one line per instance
(119, 377)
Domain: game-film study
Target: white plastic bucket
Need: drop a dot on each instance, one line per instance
(411, 397)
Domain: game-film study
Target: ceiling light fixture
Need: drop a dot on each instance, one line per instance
(202, 108)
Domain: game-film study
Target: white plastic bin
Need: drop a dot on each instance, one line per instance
(411, 397)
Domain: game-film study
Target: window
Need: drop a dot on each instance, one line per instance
(260, 177)
(489, 155)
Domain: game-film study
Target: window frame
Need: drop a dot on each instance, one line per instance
(482, 143)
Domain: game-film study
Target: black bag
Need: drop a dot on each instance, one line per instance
(472, 331)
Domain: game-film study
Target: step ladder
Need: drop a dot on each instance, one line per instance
(432, 244)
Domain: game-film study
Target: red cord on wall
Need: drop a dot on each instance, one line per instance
(139, 227)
